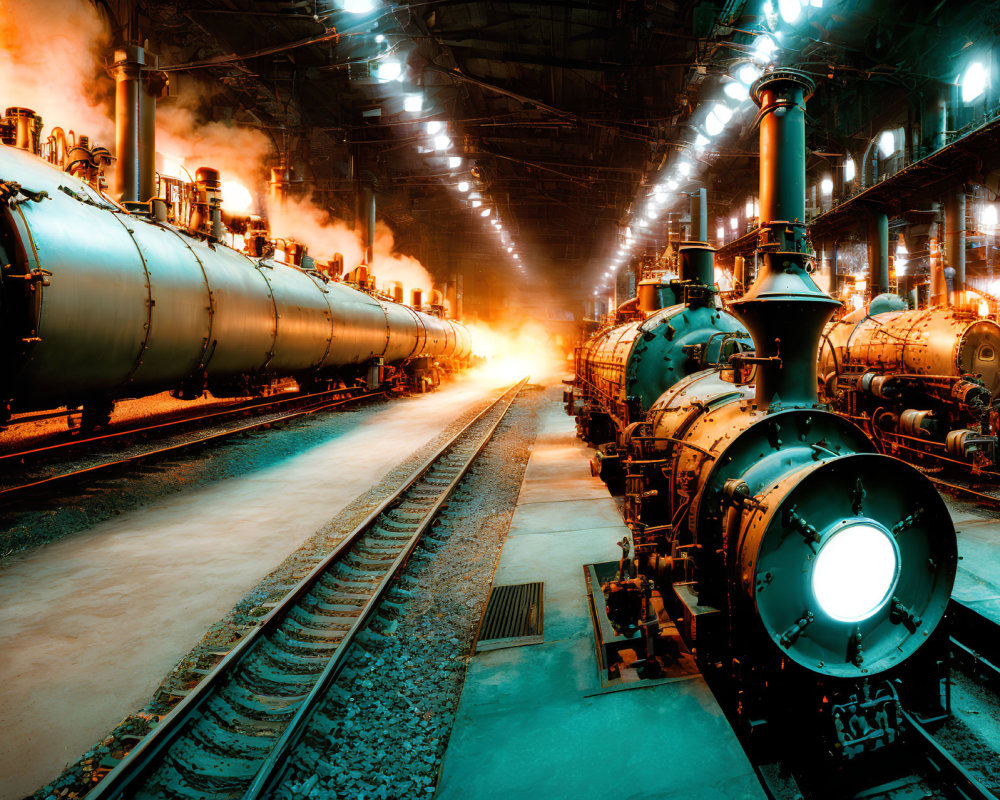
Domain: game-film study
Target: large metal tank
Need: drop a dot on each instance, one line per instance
(940, 342)
(98, 303)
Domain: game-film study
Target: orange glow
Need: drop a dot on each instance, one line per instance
(513, 350)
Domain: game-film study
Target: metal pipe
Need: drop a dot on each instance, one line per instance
(27, 129)
(277, 187)
(782, 96)
(938, 282)
(127, 71)
(954, 231)
(784, 310)
(149, 89)
(878, 254)
(699, 216)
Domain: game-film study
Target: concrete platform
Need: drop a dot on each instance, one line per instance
(91, 624)
(977, 583)
(533, 721)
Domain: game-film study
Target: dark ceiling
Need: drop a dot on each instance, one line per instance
(563, 111)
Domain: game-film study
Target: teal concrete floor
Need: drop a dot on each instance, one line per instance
(977, 583)
(533, 721)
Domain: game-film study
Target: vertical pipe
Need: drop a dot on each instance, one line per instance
(954, 231)
(782, 161)
(149, 90)
(784, 310)
(370, 233)
(878, 253)
(938, 290)
(127, 67)
(699, 216)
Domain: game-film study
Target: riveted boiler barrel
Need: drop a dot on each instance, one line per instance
(934, 341)
(133, 306)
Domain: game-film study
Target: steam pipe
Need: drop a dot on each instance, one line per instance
(368, 221)
(127, 71)
(781, 95)
(696, 265)
(939, 283)
(954, 230)
(784, 310)
(878, 253)
(151, 87)
(699, 216)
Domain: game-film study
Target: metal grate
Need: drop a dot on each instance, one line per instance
(513, 617)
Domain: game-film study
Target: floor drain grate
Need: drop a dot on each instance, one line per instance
(513, 617)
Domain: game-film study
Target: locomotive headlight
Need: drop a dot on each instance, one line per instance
(855, 572)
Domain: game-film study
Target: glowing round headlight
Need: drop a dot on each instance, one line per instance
(855, 572)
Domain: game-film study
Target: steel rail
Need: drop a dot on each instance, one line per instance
(948, 770)
(11, 492)
(975, 642)
(154, 749)
(235, 409)
(277, 759)
(964, 490)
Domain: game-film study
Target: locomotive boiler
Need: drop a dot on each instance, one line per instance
(923, 383)
(99, 303)
(622, 370)
(810, 571)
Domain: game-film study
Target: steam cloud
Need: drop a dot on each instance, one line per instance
(323, 235)
(51, 61)
(239, 153)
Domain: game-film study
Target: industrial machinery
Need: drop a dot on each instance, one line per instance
(622, 370)
(809, 571)
(101, 303)
(923, 383)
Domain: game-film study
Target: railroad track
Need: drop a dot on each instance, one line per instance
(44, 467)
(237, 727)
(960, 488)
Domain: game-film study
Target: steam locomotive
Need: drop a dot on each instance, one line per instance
(622, 370)
(923, 383)
(100, 303)
(810, 571)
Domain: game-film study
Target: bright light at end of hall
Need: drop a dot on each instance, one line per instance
(476, 203)
(763, 49)
(432, 127)
(737, 91)
(454, 162)
(358, 6)
(849, 169)
(386, 71)
(989, 215)
(236, 198)
(887, 143)
(747, 74)
(413, 103)
(684, 168)
(790, 10)
(973, 82)
(463, 186)
(485, 212)
(442, 142)
(826, 186)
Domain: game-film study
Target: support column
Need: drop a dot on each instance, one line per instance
(878, 254)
